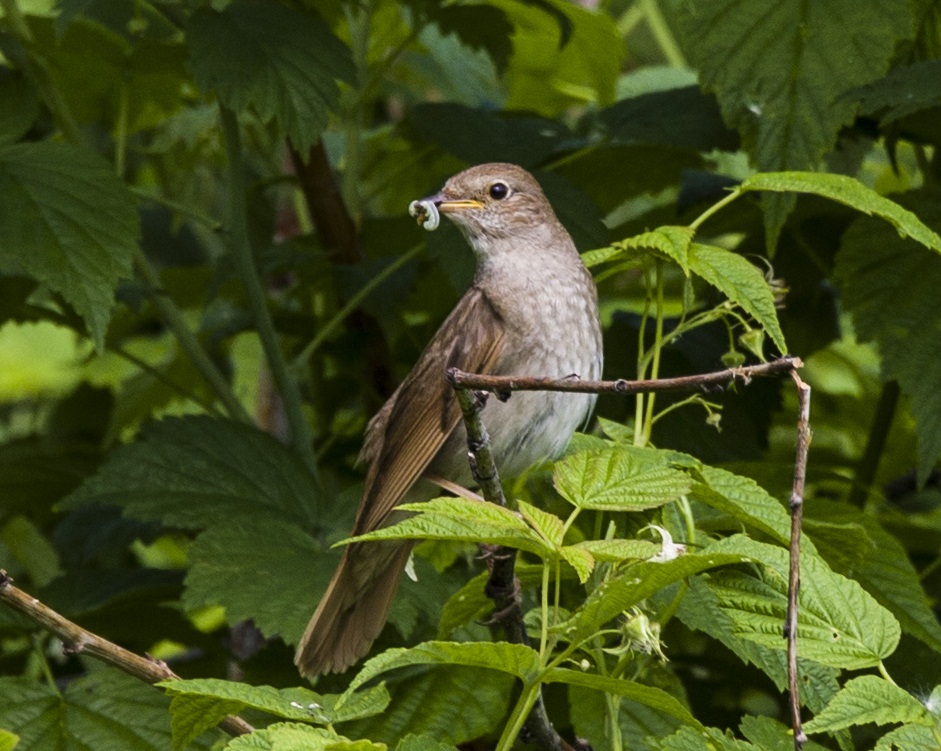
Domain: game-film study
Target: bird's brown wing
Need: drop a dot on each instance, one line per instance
(410, 429)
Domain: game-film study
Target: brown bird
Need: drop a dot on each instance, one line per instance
(531, 310)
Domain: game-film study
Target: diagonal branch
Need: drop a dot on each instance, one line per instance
(76, 639)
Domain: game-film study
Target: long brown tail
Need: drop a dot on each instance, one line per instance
(354, 608)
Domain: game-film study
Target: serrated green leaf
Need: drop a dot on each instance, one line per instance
(852, 193)
(548, 526)
(869, 698)
(906, 90)
(514, 659)
(673, 242)
(619, 479)
(599, 256)
(768, 734)
(107, 709)
(616, 551)
(423, 742)
(745, 500)
(236, 563)
(637, 583)
(202, 703)
(463, 520)
(291, 736)
(889, 288)
(455, 705)
(740, 281)
(281, 62)
(699, 609)
(839, 623)
(649, 696)
(190, 472)
(908, 738)
(66, 220)
(579, 559)
(706, 739)
(778, 73)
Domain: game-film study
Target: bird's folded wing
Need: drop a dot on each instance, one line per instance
(409, 430)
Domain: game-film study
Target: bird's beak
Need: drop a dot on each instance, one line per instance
(453, 205)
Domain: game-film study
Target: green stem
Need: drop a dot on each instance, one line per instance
(544, 602)
(885, 673)
(663, 34)
(165, 379)
(180, 208)
(173, 318)
(521, 710)
(641, 362)
(716, 207)
(120, 127)
(657, 347)
(301, 439)
(875, 443)
(358, 17)
(38, 71)
(352, 304)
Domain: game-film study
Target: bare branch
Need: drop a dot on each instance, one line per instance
(705, 382)
(793, 585)
(76, 639)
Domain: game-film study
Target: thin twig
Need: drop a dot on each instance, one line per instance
(793, 585)
(706, 382)
(76, 639)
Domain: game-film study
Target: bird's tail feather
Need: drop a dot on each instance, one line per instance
(354, 608)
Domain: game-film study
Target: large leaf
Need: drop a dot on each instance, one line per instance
(778, 72)
(66, 220)
(906, 90)
(281, 62)
(269, 570)
(740, 281)
(890, 288)
(909, 738)
(620, 478)
(193, 471)
(870, 699)
(293, 736)
(199, 704)
(105, 710)
(839, 623)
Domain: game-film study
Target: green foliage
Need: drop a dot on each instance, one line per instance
(158, 486)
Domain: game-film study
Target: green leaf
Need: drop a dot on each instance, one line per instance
(707, 739)
(455, 705)
(617, 550)
(190, 472)
(579, 559)
(236, 563)
(745, 500)
(778, 73)
(637, 583)
(19, 105)
(908, 738)
(548, 526)
(463, 520)
(906, 90)
(8, 740)
(550, 70)
(291, 736)
(514, 659)
(740, 281)
(66, 220)
(839, 623)
(276, 60)
(479, 27)
(889, 288)
(673, 242)
(599, 256)
(649, 696)
(852, 193)
(199, 704)
(423, 742)
(105, 710)
(620, 478)
(471, 603)
(869, 698)
(699, 609)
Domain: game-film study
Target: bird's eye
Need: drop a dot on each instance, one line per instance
(499, 191)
